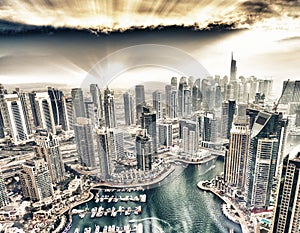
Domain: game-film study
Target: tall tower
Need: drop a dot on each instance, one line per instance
(17, 121)
(109, 109)
(286, 218)
(45, 112)
(3, 193)
(157, 105)
(78, 104)
(165, 137)
(181, 86)
(236, 161)
(69, 113)
(56, 98)
(116, 144)
(262, 160)
(84, 137)
(168, 89)
(48, 148)
(35, 180)
(143, 144)
(139, 101)
(232, 69)
(149, 123)
(105, 158)
(97, 100)
(189, 133)
(187, 102)
(128, 108)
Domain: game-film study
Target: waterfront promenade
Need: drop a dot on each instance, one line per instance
(241, 218)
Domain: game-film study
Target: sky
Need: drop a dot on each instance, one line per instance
(63, 41)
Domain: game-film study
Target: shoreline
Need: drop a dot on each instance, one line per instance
(241, 220)
(111, 185)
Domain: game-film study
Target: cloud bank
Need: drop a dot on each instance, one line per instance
(120, 15)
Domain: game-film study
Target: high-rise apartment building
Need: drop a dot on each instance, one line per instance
(290, 92)
(35, 180)
(44, 111)
(85, 142)
(128, 108)
(237, 154)
(19, 127)
(4, 201)
(139, 101)
(180, 105)
(143, 144)
(286, 218)
(48, 148)
(165, 135)
(148, 122)
(78, 103)
(228, 111)
(109, 109)
(105, 148)
(189, 134)
(97, 100)
(157, 104)
(266, 135)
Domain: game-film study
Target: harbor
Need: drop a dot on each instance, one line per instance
(166, 207)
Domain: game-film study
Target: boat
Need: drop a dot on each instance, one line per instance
(87, 230)
(81, 215)
(94, 211)
(143, 197)
(77, 230)
(138, 210)
(76, 211)
(97, 229)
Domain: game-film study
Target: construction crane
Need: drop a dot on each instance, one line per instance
(283, 90)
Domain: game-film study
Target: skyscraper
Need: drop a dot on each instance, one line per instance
(148, 122)
(86, 146)
(180, 98)
(209, 128)
(286, 218)
(48, 148)
(97, 100)
(69, 113)
(165, 137)
(263, 157)
(116, 144)
(18, 126)
(45, 112)
(157, 103)
(228, 111)
(35, 180)
(105, 158)
(233, 69)
(143, 144)
(3, 193)
(188, 132)
(139, 101)
(187, 102)
(56, 98)
(168, 89)
(236, 157)
(128, 108)
(78, 104)
(109, 108)
(291, 93)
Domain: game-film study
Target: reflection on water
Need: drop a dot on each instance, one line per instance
(175, 206)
